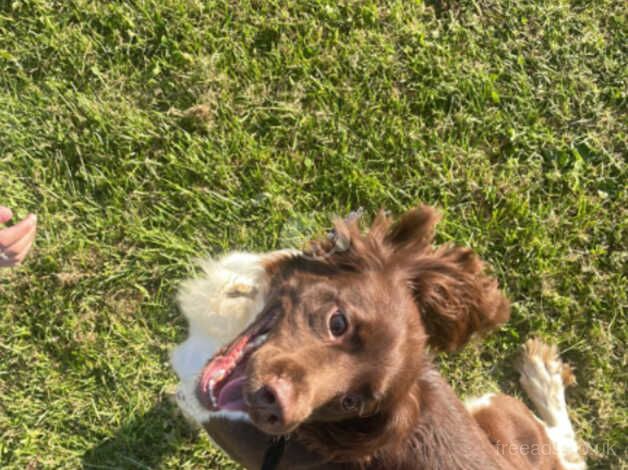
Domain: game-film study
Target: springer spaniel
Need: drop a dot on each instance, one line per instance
(331, 347)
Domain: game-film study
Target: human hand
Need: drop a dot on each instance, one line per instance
(16, 241)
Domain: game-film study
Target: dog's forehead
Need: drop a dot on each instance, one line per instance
(365, 295)
(324, 286)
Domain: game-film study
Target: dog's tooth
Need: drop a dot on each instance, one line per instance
(210, 393)
(258, 341)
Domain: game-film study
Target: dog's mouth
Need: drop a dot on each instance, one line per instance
(221, 385)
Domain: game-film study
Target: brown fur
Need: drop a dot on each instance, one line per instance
(402, 296)
(523, 441)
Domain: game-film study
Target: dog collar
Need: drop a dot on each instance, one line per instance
(273, 453)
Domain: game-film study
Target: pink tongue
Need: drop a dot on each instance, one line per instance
(222, 363)
(231, 397)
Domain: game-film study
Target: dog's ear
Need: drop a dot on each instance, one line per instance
(455, 296)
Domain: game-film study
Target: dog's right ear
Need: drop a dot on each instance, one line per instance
(454, 295)
(414, 230)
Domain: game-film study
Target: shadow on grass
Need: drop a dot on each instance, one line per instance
(144, 442)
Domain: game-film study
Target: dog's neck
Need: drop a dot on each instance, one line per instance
(432, 430)
(445, 436)
(441, 435)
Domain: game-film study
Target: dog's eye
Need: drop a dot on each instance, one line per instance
(338, 323)
(351, 402)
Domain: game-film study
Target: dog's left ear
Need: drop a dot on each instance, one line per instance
(455, 297)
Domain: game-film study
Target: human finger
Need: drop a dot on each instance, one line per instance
(9, 236)
(20, 257)
(5, 214)
(17, 248)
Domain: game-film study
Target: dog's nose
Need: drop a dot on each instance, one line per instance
(269, 402)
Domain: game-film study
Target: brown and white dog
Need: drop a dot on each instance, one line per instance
(331, 346)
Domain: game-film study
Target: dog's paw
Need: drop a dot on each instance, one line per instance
(543, 377)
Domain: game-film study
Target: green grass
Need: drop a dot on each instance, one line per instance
(146, 133)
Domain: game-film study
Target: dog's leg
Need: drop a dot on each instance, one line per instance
(544, 377)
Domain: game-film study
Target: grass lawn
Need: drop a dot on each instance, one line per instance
(147, 133)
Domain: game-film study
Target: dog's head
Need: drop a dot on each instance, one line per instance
(343, 335)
